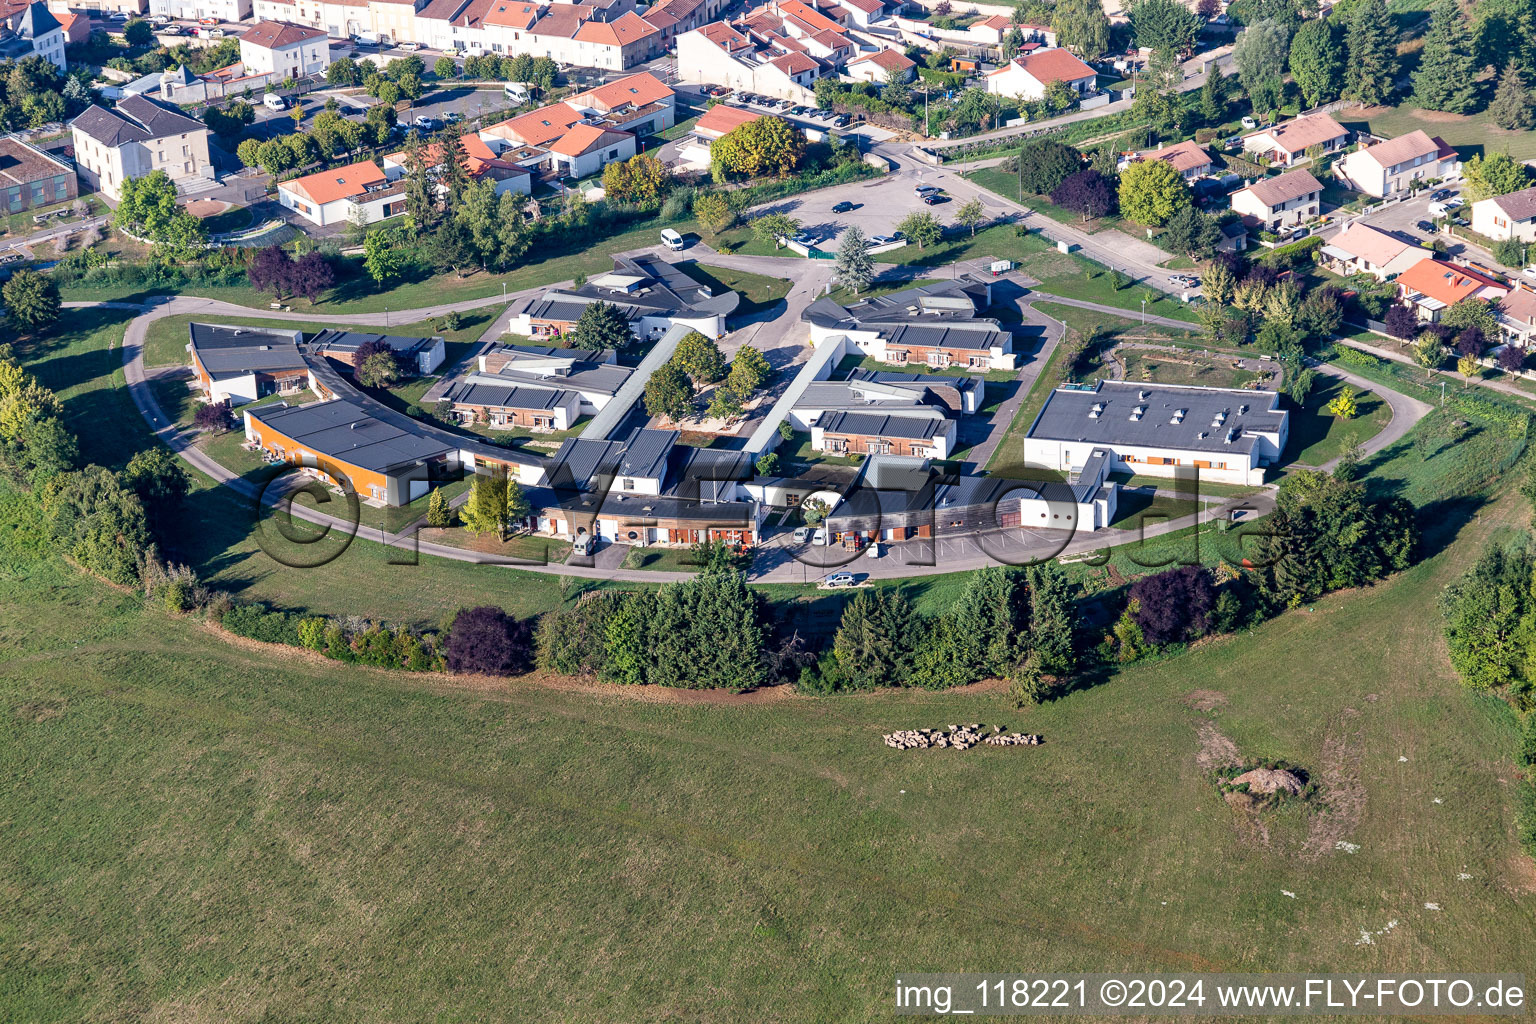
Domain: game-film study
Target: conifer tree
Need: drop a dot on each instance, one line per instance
(1447, 75)
(1371, 72)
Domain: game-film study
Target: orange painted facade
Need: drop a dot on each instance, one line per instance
(361, 480)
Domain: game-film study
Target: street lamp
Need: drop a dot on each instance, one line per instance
(1143, 311)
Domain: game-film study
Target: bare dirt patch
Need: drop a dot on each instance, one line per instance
(36, 711)
(1440, 117)
(204, 208)
(1339, 782)
(1216, 751)
(1205, 700)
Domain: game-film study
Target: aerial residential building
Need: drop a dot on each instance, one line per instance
(236, 365)
(417, 356)
(59, 8)
(1228, 435)
(1395, 165)
(454, 25)
(1507, 216)
(541, 410)
(1288, 142)
(1283, 201)
(875, 433)
(1362, 249)
(878, 67)
(719, 119)
(652, 293)
(343, 194)
(930, 325)
(602, 125)
(195, 10)
(595, 378)
(921, 395)
(137, 137)
(31, 179)
(863, 13)
(1029, 75)
(1431, 287)
(30, 30)
(1517, 318)
(284, 51)
(766, 58)
(77, 27)
(1188, 158)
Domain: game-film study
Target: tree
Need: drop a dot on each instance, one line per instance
(214, 416)
(343, 72)
(1497, 174)
(1218, 284)
(714, 213)
(1151, 191)
(642, 180)
(1428, 353)
(439, 512)
(970, 215)
(1082, 27)
(1371, 42)
(312, 275)
(1173, 606)
(1213, 96)
(1087, 192)
(1044, 163)
(1446, 78)
(875, 640)
(774, 227)
(31, 300)
(1191, 232)
(669, 392)
(379, 370)
(814, 511)
(1511, 108)
(1260, 54)
(855, 267)
(1509, 253)
(1472, 313)
(98, 522)
(488, 508)
(1343, 405)
(749, 371)
(602, 326)
(148, 205)
(486, 641)
(922, 228)
(445, 69)
(1317, 61)
(991, 621)
(157, 477)
(137, 32)
(1511, 359)
(1164, 25)
(765, 146)
(1400, 322)
(700, 358)
(384, 257)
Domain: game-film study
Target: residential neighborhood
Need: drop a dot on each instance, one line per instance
(656, 511)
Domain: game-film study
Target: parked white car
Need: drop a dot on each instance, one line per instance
(841, 579)
(1530, 272)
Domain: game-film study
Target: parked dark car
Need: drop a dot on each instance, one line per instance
(843, 207)
(1425, 226)
(935, 198)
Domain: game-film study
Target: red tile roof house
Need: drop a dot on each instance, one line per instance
(479, 161)
(1433, 286)
(1361, 249)
(720, 119)
(1188, 158)
(328, 198)
(1395, 165)
(1027, 77)
(1283, 201)
(1507, 216)
(877, 67)
(1517, 317)
(1288, 142)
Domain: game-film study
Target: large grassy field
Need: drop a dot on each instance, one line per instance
(194, 830)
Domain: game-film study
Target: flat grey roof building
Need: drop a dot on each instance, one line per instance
(349, 433)
(1185, 418)
(881, 425)
(233, 351)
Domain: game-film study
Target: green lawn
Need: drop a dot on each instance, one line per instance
(22, 223)
(1133, 509)
(197, 830)
(758, 291)
(1071, 276)
(1469, 134)
(356, 293)
(1318, 436)
(165, 343)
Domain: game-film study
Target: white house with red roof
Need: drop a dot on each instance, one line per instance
(1362, 249)
(1433, 286)
(285, 51)
(863, 13)
(1288, 142)
(1029, 75)
(1189, 158)
(333, 197)
(878, 67)
(1395, 165)
(582, 133)
(761, 56)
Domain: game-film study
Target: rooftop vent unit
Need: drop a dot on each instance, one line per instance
(1242, 410)
(1178, 416)
(1143, 395)
(1219, 418)
(1231, 435)
(1093, 413)
(1137, 412)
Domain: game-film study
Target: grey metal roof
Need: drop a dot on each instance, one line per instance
(651, 287)
(135, 119)
(645, 453)
(349, 433)
(980, 335)
(766, 436)
(610, 417)
(882, 425)
(347, 342)
(578, 355)
(592, 378)
(511, 398)
(234, 351)
(1210, 416)
(942, 314)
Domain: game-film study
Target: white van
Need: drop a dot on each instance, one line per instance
(272, 101)
(671, 239)
(517, 92)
